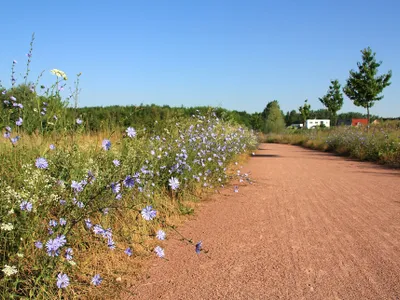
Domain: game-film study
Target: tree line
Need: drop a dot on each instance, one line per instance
(48, 112)
(363, 88)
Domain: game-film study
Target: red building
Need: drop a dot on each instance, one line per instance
(353, 122)
(358, 122)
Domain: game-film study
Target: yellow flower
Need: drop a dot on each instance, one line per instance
(59, 73)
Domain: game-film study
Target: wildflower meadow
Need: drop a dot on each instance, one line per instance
(80, 210)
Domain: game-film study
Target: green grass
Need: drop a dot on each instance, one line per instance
(380, 143)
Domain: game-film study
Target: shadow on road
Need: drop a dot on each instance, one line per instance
(378, 173)
(266, 155)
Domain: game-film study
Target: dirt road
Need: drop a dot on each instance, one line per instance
(313, 226)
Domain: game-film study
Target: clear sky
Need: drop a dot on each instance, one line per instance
(235, 54)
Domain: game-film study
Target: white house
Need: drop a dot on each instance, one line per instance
(317, 122)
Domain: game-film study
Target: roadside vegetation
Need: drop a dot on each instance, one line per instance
(82, 206)
(380, 143)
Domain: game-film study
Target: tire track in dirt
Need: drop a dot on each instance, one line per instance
(313, 226)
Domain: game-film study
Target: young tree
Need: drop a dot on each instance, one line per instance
(333, 100)
(274, 119)
(305, 111)
(363, 87)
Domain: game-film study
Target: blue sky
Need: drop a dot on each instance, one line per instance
(235, 54)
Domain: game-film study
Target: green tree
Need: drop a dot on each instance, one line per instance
(319, 114)
(274, 120)
(333, 100)
(305, 111)
(363, 87)
(256, 121)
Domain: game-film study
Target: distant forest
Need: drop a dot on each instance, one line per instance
(100, 118)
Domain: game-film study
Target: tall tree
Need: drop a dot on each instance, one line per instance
(274, 121)
(333, 100)
(363, 87)
(292, 117)
(305, 111)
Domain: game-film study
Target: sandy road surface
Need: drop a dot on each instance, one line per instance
(313, 226)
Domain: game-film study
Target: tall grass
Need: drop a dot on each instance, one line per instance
(380, 143)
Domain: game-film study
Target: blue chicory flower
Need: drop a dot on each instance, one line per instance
(173, 183)
(159, 251)
(148, 213)
(131, 132)
(161, 235)
(96, 280)
(128, 251)
(198, 247)
(41, 163)
(106, 144)
(25, 205)
(62, 281)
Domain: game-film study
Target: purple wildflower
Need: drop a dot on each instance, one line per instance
(19, 121)
(76, 186)
(131, 132)
(62, 222)
(128, 251)
(106, 144)
(115, 187)
(68, 253)
(96, 280)
(41, 163)
(62, 281)
(79, 121)
(53, 245)
(161, 235)
(39, 244)
(52, 147)
(53, 223)
(15, 139)
(198, 247)
(25, 205)
(173, 183)
(159, 251)
(148, 213)
(97, 229)
(110, 243)
(116, 162)
(129, 181)
(13, 98)
(88, 223)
